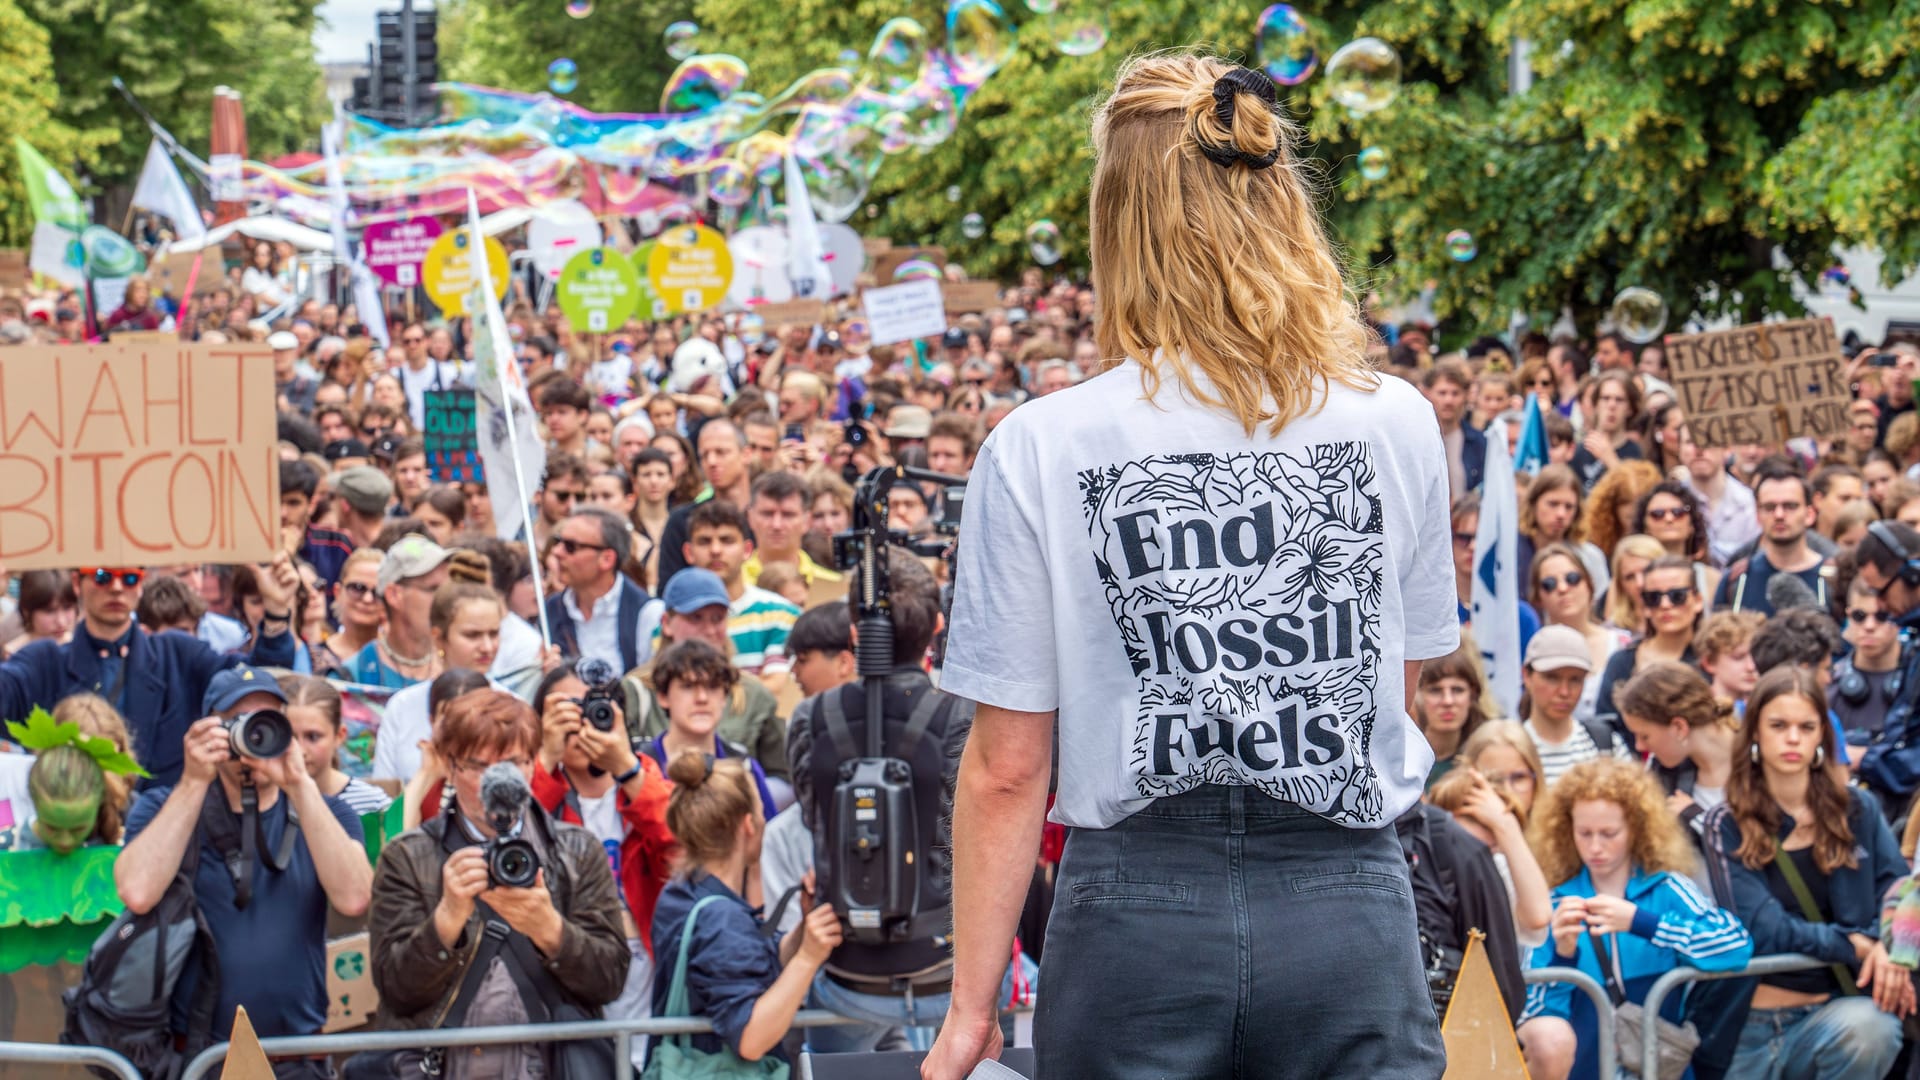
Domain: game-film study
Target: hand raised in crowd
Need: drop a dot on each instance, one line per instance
(207, 745)
(608, 749)
(559, 719)
(820, 934)
(1890, 984)
(279, 582)
(529, 911)
(550, 658)
(1600, 446)
(1569, 924)
(286, 772)
(1610, 914)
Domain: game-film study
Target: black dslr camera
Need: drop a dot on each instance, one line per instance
(512, 861)
(262, 734)
(600, 705)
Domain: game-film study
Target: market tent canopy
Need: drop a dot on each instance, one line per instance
(260, 228)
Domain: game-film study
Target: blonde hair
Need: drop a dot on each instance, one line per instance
(1658, 841)
(1511, 735)
(1622, 611)
(708, 801)
(1221, 268)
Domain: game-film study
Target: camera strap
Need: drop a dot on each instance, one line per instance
(240, 840)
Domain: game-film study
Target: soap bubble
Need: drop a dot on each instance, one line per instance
(729, 183)
(682, 39)
(973, 226)
(873, 210)
(1638, 314)
(1460, 246)
(1042, 7)
(1373, 163)
(1078, 27)
(701, 82)
(1364, 75)
(1285, 45)
(579, 9)
(980, 39)
(562, 76)
(898, 54)
(1043, 242)
(953, 193)
(916, 270)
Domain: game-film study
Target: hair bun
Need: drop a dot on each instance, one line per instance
(690, 769)
(1229, 135)
(465, 564)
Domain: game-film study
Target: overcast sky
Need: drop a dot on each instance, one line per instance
(346, 28)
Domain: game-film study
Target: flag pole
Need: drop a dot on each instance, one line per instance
(483, 274)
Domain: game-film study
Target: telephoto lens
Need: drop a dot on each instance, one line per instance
(261, 734)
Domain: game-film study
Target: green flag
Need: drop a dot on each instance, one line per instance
(54, 200)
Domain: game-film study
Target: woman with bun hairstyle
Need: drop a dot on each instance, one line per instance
(1804, 860)
(734, 973)
(1690, 735)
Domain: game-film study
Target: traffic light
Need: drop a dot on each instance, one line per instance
(399, 86)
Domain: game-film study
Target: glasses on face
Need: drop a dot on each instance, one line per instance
(103, 575)
(1862, 615)
(1571, 579)
(474, 766)
(1540, 384)
(1667, 513)
(1772, 508)
(575, 547)
(1658, 598)
(1500, 781)
(357, 589)
(1463, 539)
(566, 496)
(413, 341)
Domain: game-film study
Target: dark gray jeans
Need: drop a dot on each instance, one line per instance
(1220, 933)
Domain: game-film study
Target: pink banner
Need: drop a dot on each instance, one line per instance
(396, 248)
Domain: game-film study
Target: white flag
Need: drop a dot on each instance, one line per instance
(161, 190)
(806, 264)
(366, 288)
(1496, 580)
(56, 253)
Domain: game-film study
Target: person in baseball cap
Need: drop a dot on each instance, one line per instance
(697, 607)
(364, 494)
(1555, 672)
(344, 454)
(413, 556)
(230, 687)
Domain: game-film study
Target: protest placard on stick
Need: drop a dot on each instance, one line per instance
(1764, 383)
(453, 443)
(143, 454)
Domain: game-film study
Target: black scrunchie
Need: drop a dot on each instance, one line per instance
(1225, 89)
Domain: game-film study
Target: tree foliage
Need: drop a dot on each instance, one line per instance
(618, 48)
(27, 99)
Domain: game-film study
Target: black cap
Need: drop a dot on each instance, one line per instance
(954, 338)
(830, 340)
(339, 449)
(385, 447)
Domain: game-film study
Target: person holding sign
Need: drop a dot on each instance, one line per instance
(155, 680)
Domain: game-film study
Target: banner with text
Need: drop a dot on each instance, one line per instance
(1764, 383)
(137, 454)
(453, 444)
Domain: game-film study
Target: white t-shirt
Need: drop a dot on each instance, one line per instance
(417, 383)
(601, 817)
(1205, 607)
(404, 724)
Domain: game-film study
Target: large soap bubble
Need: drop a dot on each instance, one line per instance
(1285, 45)
(1364, 75)
(1638, 314)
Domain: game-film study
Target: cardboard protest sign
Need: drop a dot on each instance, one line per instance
(1477, 1031)
(13, 268)
(970, 297)
(351, 997)
(453, 444)
(903, 312)
(1764, 383)
(806, 312)
(245, 1059)
(142, 454)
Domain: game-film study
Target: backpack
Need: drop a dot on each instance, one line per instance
(878, 849)
(1431, 863)
(124, 1000)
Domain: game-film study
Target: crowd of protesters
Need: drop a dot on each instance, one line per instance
(1704, 767)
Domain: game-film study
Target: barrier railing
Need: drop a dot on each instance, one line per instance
(23, 1053)
(620, 1031)
(1664, 985)
(1602, 1006)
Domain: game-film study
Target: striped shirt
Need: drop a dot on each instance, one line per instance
(1557, 758)
(758, 624)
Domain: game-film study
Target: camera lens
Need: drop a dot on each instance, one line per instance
(599, 713)
(513, 864)
(263, 734)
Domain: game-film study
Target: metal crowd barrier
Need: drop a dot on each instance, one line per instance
(1664, 985)
(620, 1031)
(1602, 1006)
(24, 1053)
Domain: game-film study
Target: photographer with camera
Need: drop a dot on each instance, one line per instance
(493, 912)
(588, 775)
(266, 852)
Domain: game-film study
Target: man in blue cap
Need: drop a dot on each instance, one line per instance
(155, 679)
(272, 853)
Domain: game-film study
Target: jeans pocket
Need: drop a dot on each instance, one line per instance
(1090, 893)
(1357, 877)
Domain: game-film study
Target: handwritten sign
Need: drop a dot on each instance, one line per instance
(904, 312)
(968, 297)
(141, 454)
(453, 443)
(1764, 383)
(13, 268)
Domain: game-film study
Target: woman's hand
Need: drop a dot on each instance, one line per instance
(820, 935)
(1891, 984)
(1610, 914)
(1569, 923)
(1678, 802)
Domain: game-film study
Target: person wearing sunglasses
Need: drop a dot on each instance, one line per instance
(357, 610)
(1673, 515)
(155, 680)
(1561, 589)
(597, 615)
(1672, 607)
(1866, 682)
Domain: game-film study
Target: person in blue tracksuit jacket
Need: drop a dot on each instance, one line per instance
(1604, 832)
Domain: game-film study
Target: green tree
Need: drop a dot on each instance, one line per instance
(171, 54)
(27, 101)
(509, 43)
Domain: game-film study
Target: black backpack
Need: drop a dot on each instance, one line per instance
(1430, 869)
(124, 1001)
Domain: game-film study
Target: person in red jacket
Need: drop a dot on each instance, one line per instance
(593, 778)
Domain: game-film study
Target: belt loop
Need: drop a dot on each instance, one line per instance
(1237, 810)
